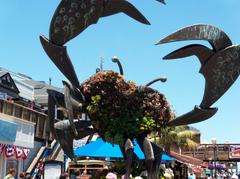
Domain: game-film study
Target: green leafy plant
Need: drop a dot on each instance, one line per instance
(119, 109)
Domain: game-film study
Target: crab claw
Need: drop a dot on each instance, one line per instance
(203, 53)
(161, 1)
(220, 72)
(59, 56)
(220, 65)
(196, 115)
(216, 37)
(72, 17)
(116, 6)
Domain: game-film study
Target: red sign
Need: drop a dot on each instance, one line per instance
(234, 152)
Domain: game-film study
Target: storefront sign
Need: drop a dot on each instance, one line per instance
(234, 152)
(3, 96)
(52, 170)
(16, 132)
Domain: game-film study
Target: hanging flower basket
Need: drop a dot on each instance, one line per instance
(119, 109)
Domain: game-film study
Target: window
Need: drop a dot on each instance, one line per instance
(12, 163)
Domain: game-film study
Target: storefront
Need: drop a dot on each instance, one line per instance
(16, 141)
(186, 164)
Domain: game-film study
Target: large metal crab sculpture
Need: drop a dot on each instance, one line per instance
(119, 110)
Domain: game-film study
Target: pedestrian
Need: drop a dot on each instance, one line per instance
(11, 174)
(111, 175)
(234, 176)
(192, 176)
(72, 174)
(64, 176)
(22, 175)
(28, 176)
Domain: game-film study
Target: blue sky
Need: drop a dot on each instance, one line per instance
(22, 22)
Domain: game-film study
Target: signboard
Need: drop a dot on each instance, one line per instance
(3, 96)
(234, 152)
(52, 170)
(17, 132)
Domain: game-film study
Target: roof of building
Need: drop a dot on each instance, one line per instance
(186, 158)
(30, 89)
(2, 73)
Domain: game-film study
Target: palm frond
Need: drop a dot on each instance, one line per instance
(191, 144)
(187, 134)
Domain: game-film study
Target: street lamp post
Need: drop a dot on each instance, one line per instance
(214, 141)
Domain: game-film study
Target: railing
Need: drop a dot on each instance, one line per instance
(43, 154)
(223, 152)
(27, 114)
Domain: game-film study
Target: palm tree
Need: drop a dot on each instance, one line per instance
(180, 137)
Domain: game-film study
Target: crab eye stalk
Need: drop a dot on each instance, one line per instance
(115, 59)
(162, 79)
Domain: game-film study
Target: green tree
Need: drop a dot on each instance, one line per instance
(179, 136)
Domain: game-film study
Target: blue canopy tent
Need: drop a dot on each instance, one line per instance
(99, 148)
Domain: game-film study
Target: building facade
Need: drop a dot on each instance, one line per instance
(23, 123)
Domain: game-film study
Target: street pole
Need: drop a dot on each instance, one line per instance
(215, 169)
(214, 141)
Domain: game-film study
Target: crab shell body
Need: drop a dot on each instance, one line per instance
(120, 110)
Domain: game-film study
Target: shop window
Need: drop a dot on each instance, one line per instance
(34, 117)
(18, 112)
(1, 166)
(9, 109)
(26, 114)
(12, 163)
(1, 106)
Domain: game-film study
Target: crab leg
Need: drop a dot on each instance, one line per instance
(158, 151)
(69, 107)
(198, 114)
(51, 112)
(147, 149)
(127, 152)
(61, 130)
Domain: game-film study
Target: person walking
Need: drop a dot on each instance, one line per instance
(28, 176)
(64, 176)
(22, 175)
(192, 176)
(11, 174)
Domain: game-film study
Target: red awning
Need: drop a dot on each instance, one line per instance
(186, 158)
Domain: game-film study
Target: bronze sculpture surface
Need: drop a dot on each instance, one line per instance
(119, 110)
